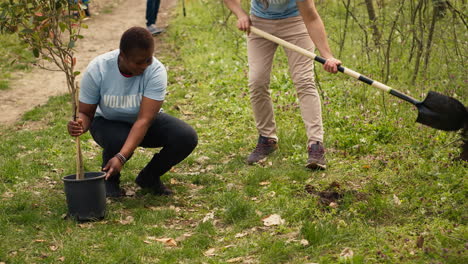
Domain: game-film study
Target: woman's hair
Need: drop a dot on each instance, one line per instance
(136, 38)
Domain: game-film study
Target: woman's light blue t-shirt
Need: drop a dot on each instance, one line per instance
(119, 97)
(277, 9)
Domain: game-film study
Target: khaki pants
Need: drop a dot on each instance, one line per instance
(260, 56)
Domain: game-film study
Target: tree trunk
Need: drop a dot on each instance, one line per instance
(343, 39)
(373, 18)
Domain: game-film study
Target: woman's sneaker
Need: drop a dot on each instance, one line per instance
(265, 147)
(155, 30)
(316, 160)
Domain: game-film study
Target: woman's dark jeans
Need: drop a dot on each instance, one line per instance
(177, 139)
(152, 9)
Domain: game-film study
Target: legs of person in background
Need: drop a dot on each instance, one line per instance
(152, 9)
(260, 56)
(301, 69)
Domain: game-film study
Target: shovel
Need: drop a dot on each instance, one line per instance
(437, 110)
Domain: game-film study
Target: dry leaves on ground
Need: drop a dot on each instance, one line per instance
(210, 252)
(234, 260)
(167, 241)
(209, 216)
(346, 253)
(239, 235)
(128, 220)
(273, 220)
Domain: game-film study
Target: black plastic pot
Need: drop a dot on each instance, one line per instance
(86, 198)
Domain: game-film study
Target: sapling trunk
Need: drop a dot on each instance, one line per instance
(79, 156)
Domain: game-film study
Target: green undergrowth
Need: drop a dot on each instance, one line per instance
(14, 59)
(392, 192)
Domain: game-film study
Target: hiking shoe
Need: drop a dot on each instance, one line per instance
(265, 147)
(316, 160)
(113, 189)
(157, 188)
(162, 190)
(155, 30)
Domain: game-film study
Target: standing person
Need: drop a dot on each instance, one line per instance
(152, 9)
(298, 22)
(121, 95)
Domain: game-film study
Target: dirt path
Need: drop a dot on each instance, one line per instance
(29, 90)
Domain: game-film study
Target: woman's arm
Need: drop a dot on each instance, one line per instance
(317, 33)
(149, 108)
(243, 19)
(83, 120)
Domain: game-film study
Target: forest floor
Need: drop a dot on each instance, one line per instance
(393, 191)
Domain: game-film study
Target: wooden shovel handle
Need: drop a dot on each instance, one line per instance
(315, 57)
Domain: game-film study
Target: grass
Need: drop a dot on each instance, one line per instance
(397, 180)
(14, 58)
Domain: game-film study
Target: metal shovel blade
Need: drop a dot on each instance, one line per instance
(441, 112)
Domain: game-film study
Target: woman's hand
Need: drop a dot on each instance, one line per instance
(243, 23)
(331, 65)
(75, 128)
(113, 167)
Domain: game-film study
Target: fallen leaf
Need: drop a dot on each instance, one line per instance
(202, 159)
(7, 195)
(272, 220)
(53, 248)
(130, 193)
(167, 241)
(333, 205)
(396, 200)
(146, 242)
(346, 253)
(264, 183)
(128, 220)
(174, 181)
(39, 240)
(183, 237)
(210, 252)
(86, 225)
(239, 235)
(304, 242)
(238, 259)
(62, 259)
(208, 217)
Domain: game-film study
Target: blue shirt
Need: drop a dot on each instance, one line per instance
(118, 97)
(277, 9)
